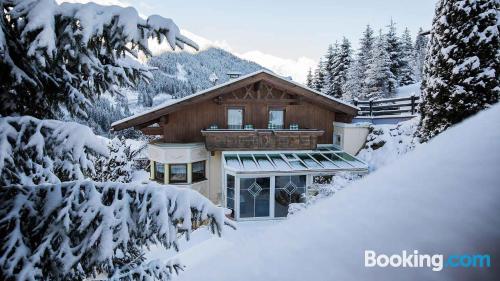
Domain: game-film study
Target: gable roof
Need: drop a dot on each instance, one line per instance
(263, 74)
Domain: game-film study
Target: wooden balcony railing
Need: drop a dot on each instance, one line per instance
(261, 139)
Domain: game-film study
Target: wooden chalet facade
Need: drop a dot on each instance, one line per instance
(256, 112)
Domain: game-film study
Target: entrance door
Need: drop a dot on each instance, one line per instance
(255, 197)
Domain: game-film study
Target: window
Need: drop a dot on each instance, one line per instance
(337, 140)
(276, 118)
(178, 173)
(230, 193)
(288, 189)
(235, 118)
(198, 171)
(159, 171)
(254, 197)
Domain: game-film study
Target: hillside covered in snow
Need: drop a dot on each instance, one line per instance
(177, 74)
(441, 198)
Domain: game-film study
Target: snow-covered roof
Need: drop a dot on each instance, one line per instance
(324, 159)
(209, 90)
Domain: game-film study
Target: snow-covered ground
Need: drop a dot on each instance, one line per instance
(441, 198)
(406, 91)
(387, 142)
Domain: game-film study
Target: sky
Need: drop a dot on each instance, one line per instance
(287, 36)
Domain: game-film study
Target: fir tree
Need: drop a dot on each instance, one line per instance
(80, 229)
(420, 52)
(461, 69)
(364, 56)
(342, 63)
(379, 77)
(330, 68)
(393, 47)
(54, 56)
(352, 88)
(406, 76)
(319, 76)
(309, 79)
(117, 166)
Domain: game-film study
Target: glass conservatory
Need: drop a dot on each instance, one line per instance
(262, 184)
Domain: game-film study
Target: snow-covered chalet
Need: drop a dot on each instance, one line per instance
(253, 144)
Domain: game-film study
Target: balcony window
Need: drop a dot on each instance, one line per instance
(235, 118)
(178, 173)
(276, 118)
(198, 171)
(159, 172)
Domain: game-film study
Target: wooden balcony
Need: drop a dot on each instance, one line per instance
(261, 139)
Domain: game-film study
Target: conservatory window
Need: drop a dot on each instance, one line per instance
(235, 118)
(276, 118)
(254, 197)
(198, 171)
(159, 171)
(289, 189)
(178, 173)
(230, 193)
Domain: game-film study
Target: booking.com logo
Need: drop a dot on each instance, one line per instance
(436, 262)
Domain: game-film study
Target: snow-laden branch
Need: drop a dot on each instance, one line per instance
(68, 54)
(34, 151)
(75, 230)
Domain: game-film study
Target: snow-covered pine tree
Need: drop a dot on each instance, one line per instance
(34, 151)
(393, 46)
(331, 58)
(379, 76)
(342, 63)
(461, 69)
(319, 76)
(77, 230)
(63, 55)
(406, 75)
(309, 79)
(420, 51)
(117, 166)
(366, 44)
(352, 88)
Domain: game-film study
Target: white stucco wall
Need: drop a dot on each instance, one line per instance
(170, 153)
(353, 136)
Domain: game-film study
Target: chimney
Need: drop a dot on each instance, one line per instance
(233, 74)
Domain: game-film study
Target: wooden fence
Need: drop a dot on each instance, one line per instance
(393, 106)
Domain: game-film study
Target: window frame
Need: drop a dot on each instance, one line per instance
(155, 165)
(193, 180)
(276, 108)
(242, 108)
(170, 173)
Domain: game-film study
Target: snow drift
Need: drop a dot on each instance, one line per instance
(441, 198)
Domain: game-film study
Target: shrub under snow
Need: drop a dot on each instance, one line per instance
(34, 151)
(386, 143)
(79, 229)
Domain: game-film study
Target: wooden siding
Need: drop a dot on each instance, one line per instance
(185, 125)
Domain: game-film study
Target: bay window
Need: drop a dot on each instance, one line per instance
(198, 171)
(178, 173)
(159, 169)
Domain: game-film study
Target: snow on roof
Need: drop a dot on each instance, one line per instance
(202, 92)
(442, 198)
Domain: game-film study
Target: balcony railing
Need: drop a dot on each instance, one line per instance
(261, 139)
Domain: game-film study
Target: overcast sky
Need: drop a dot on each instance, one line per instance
(284, 35)
(288, 28)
